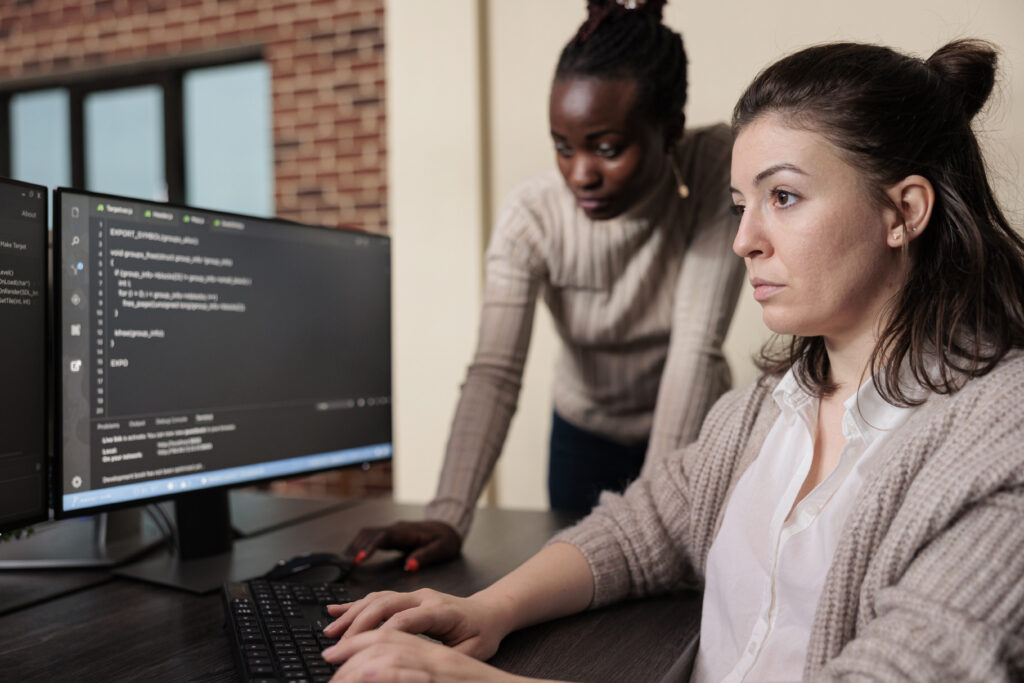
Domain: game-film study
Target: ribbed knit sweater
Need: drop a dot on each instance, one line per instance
(641, 303)
(927, 582)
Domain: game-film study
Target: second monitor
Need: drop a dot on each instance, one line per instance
(23, 471)
(200, 350)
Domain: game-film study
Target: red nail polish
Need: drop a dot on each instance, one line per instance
(360, 556)
(411, 565)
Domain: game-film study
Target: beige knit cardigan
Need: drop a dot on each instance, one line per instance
(927, 582)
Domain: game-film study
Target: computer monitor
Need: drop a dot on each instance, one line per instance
(23, 355)
(199, 350)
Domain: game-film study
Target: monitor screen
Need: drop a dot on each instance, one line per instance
(202, 350)
(23, 478)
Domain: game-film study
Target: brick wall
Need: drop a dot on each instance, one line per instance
(327, 67)
(327, 63)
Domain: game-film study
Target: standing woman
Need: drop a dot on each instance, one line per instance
(628, 243)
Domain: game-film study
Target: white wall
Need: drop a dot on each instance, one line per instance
(435, 209)
(459, 137)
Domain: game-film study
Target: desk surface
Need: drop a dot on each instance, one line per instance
(124, 630)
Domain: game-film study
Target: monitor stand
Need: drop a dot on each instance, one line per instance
(206, 555)
(103, 540)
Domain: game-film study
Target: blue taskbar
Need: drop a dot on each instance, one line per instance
(226, 477)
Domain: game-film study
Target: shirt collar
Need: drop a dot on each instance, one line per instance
(867, 415)
(794, 402)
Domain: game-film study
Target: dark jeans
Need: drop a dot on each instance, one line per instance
(583, 464)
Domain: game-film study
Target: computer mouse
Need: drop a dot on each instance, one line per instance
(311, 568)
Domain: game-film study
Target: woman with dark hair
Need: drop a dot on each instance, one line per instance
(859, 510)
(629, 244)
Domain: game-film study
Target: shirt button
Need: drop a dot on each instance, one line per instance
(752, 649)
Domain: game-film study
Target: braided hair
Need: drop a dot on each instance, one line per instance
(619, 43)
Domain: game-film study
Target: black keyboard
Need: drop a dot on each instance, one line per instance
(276, 629)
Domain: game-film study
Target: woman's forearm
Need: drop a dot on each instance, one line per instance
(555, 582)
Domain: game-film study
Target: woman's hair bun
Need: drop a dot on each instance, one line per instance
(968, 67)
(600, 10)
(654, 8)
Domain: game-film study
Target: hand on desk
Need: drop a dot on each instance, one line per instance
(429, 541)
(388, 655)
(469, 625)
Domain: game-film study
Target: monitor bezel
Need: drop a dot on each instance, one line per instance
(57, 470)
(44, 515)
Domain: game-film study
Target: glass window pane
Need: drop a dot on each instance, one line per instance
(40, 138)
(124, 142)
(229, 160)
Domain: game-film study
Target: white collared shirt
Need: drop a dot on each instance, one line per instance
(765, 573)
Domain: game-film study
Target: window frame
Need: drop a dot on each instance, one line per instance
(167, 74)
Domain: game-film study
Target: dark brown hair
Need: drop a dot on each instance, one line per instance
(615, 42)
(893, 116)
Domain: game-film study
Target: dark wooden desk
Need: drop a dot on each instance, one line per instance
(126, 630)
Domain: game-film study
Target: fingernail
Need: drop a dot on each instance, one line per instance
(360, 556)
(411, 565)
